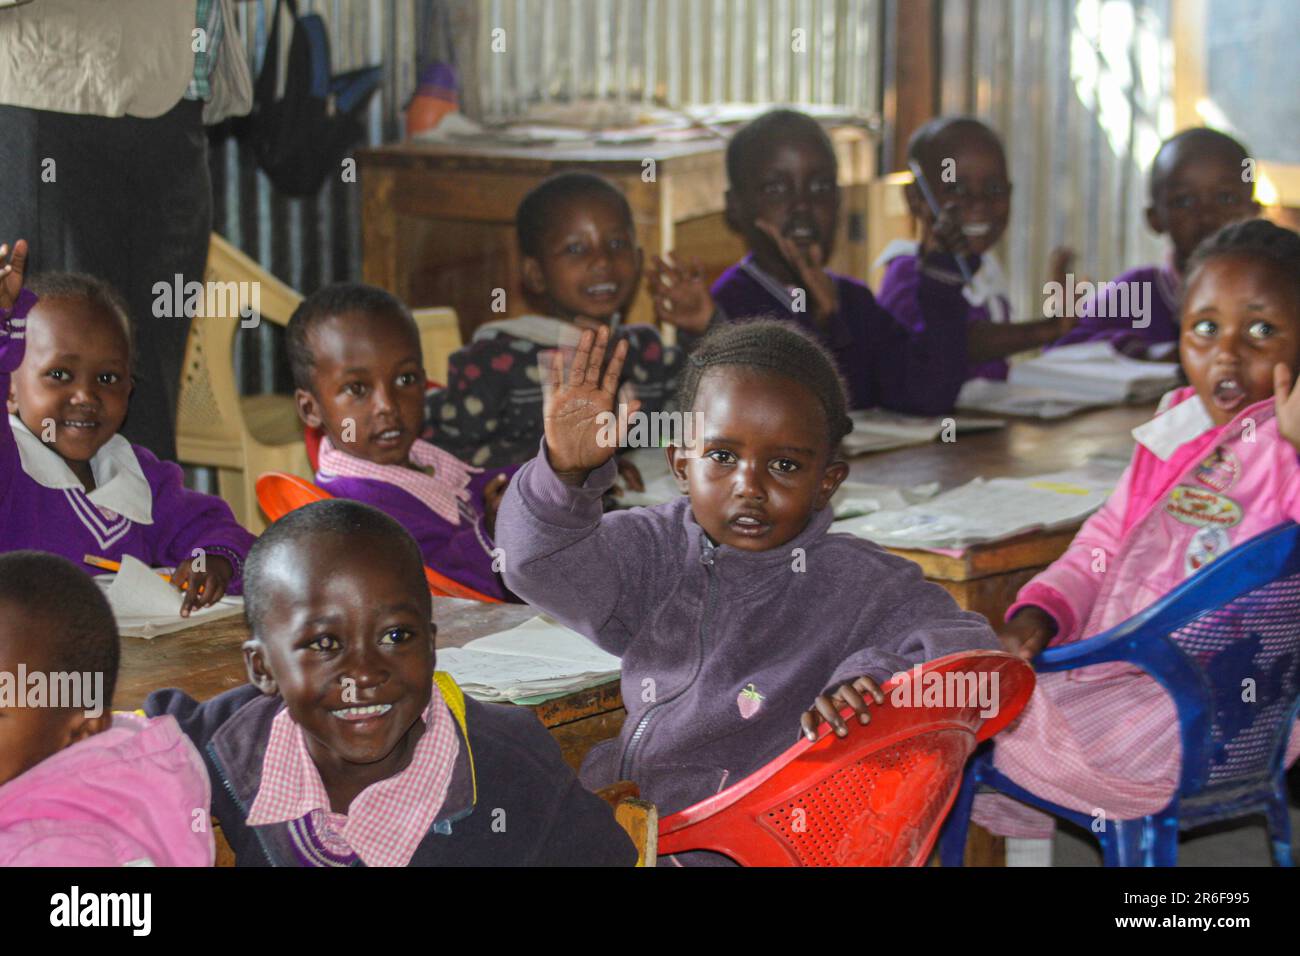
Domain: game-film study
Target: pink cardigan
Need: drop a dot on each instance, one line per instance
(135, 794)
(1168, 518)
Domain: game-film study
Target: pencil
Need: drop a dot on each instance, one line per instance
(932, 201)
(107, 565)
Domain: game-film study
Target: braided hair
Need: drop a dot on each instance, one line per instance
(777, 348)
(1256, 239)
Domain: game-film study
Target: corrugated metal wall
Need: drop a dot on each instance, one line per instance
(1081, 91)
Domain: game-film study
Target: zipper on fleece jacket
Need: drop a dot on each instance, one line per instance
(706, 558)
(239, 804)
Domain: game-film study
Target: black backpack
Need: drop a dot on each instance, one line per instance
(301, 138)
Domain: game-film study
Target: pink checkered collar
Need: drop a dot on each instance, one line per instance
(388, 820)
(441, 489)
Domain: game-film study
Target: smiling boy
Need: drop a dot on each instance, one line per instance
(340, 753)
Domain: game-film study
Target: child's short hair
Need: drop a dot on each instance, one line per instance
(538, 207)
(337, 299)
(762, 133)
(941, 128)
(333, 516)
(772, 346)
(1199, 139)
(79, 634)
(80, 285)
(1256, 238)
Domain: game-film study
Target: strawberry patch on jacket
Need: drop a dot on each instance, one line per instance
(749, 701)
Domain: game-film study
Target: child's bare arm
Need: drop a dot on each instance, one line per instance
(1286, 400)
(987, 341)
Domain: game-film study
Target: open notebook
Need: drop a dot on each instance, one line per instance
(538, 658)
(145, 605)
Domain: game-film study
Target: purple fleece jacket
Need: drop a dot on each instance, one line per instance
(462, 552)
(722, 649)
(916, 371)
(1156, 287)
(65, 522)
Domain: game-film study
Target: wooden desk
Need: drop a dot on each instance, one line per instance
(206, 660)
(985, 578)
(438, 219)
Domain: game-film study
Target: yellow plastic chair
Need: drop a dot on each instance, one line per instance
(245, 436)
(240, 437)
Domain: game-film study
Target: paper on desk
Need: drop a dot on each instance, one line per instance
(535, 658)
(875, 429)
(991, 509)
(145, 605)
(853, 497)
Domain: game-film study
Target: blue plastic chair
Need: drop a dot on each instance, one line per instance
(1237, 618)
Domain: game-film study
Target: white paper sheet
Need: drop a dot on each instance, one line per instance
(986, 510)
(537, 657)
(875, 429)
(145, 605)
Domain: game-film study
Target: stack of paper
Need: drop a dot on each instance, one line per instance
(536, 659)
(145, 605)
(1065, 380)
(990, 510)
(875, 429)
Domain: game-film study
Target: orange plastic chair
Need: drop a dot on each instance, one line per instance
(874, 798)
(278, 494)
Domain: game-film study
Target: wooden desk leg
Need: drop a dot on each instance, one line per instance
(983, 848)
(577, 737)
(379, 246)
(652, 211)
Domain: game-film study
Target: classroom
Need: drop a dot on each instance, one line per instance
(651, 433)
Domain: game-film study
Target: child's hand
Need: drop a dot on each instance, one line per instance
(576, 429)
(12, 267)
(944, 235)
(202, 588)
(679, 295)
(493, 492)
(827, 707)
(1026, 634)
(1287, 402)
(1059, 263)
(810, 265)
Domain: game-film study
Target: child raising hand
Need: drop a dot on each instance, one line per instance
(705, 598)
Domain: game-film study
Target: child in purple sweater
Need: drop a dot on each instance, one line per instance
(1197, 184)
(69, 483)
(965, 167)
(783, 198)
(359, 371)
(740, 620)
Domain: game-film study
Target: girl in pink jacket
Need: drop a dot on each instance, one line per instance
(1216, 466)
(79, 785)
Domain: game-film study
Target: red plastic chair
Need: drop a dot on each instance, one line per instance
(278, 494)
(874, 798)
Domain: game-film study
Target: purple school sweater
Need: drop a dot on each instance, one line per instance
(65, 521)
(722, 649)
(462, 552)
(1102, 318)
(920, 301)
(884, 363)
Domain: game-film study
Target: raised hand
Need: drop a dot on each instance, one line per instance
(679, 294)
(809, 264)
(1286, 400)
(578, 410)
(12, 266)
